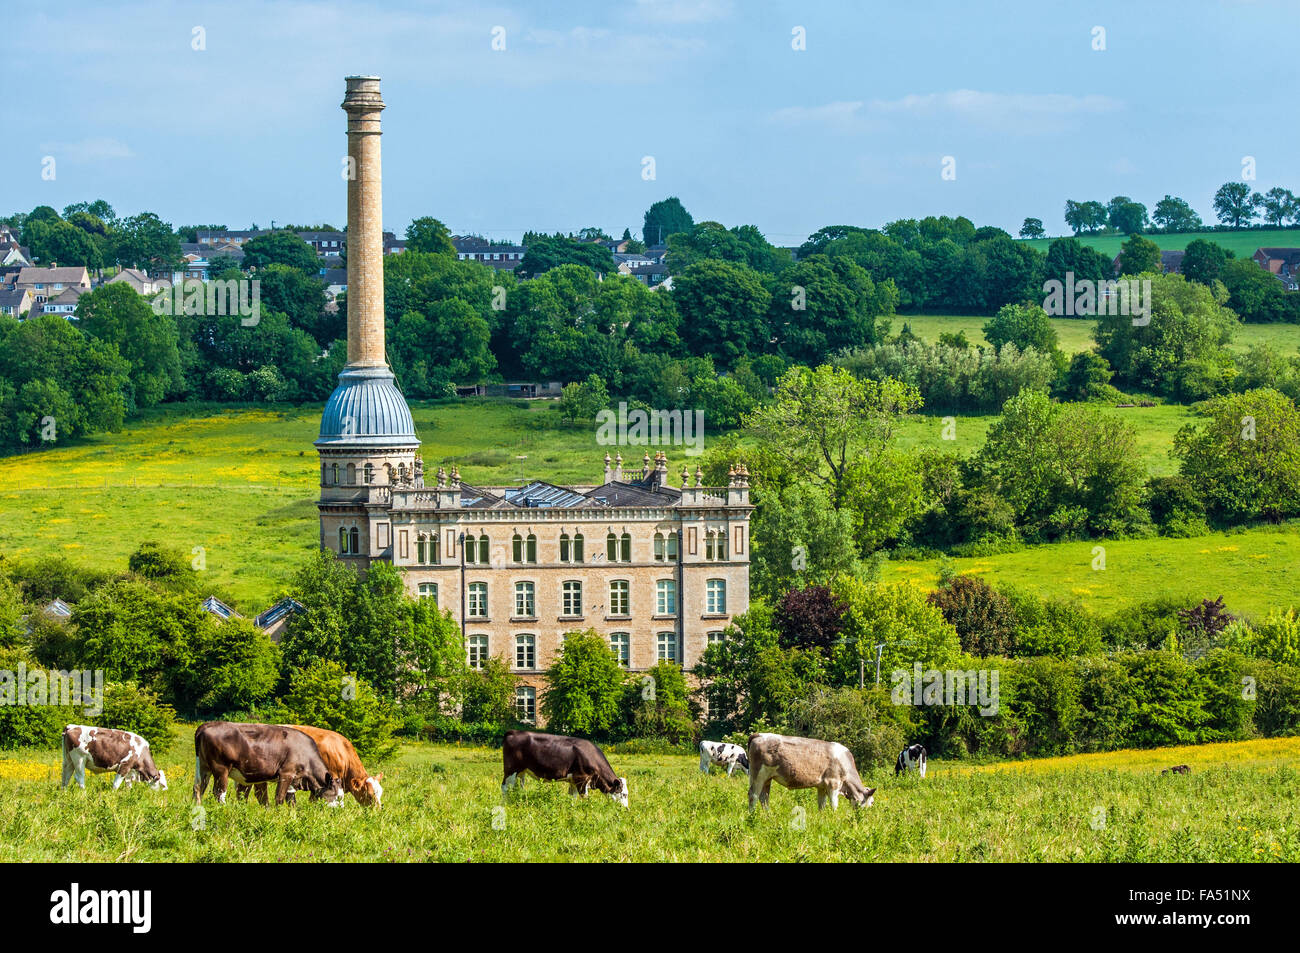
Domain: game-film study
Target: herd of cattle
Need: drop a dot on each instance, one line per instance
(326, 765)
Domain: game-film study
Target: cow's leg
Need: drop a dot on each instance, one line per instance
(731, 766)
(79, 771)
(821, 798)
(759, 785)
(241, 791)
(704, 761)
(200, 779)
(284, 789)
(922, 766)
(260, 790)
(835, 799)
(67, 768)
(220, 781)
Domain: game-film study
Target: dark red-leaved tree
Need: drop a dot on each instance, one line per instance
(809, 618)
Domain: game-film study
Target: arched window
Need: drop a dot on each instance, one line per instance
(530, 552)
(354, 541)
(388, 468)
(483, 556)
(370, 473)
(620, 597)
(660, 552)
(577, 547)
(343, 541)
(352, 474)
(334, 478)
(626, 548)
(517, 548)
(566, 551)
(419, 549)
(611, 548)
(670, 545)
(620, 644)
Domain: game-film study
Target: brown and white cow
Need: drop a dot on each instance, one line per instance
(342, 761)
(124, 753)
(253, 753)
(559, 758)
(798, 763)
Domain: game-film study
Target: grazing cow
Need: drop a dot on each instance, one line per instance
(913, 756)
(559, 758)
(124, 753)
(1177, 769)
(254, 753)
(798, 763)
(342, 761)
(722, 754)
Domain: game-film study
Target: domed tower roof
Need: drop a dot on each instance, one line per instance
(367, 410)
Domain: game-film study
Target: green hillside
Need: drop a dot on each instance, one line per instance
(1241, 242)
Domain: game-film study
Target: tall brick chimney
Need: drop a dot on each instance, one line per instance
(363, 105)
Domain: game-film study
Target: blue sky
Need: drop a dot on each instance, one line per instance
(550, 133)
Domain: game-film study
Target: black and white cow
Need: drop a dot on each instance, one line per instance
(724, 755)
(100, 750)
(911, 757)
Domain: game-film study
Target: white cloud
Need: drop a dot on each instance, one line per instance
(684, 11)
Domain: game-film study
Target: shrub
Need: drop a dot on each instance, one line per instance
(1107, 706)
(584, 686)
(1055, 627)
(131, 708)
(984, 618)
(1277, 697)
(489, 695)
(326, 695)
(864, 721)
(1170, 703)
(1229, 711)
(1277, 637)
(656, 705)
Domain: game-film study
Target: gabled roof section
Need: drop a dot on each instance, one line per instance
(219, 609)
(473, 497)
(278, 611)
(540, 494)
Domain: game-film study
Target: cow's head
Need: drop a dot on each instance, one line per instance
(368, 791)
(864, 797)
(620, 792)
(330, 791)
(148, 772)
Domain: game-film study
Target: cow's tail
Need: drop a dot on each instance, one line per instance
(744, 761)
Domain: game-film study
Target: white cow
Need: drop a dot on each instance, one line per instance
(722, 754)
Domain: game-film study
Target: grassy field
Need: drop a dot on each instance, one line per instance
(1075, 334)
(1241, 243)
(241, 485)
(1253, 570)
(444, 804)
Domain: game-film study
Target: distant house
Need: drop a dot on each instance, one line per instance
(324, 243)
(140, 282)
(64, 304)
(274, 619)
(1282, 262)
(58, 610)
(219, 609)
(617, 246)
(14, 302)
(625, 262)
(1171, 262)
(473, 248)
(336, 281)
(46, 283)
(653, 274)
